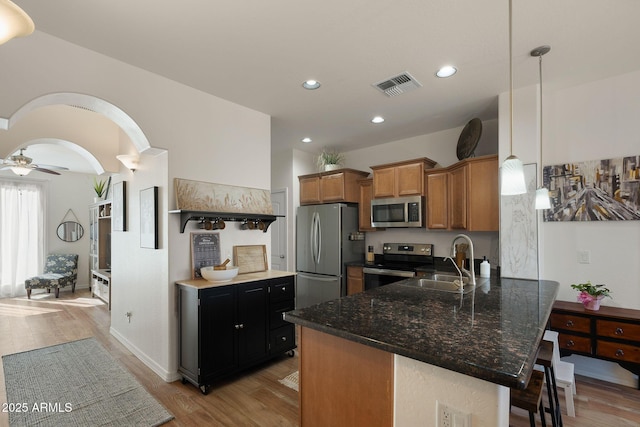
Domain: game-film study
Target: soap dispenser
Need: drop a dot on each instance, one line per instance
(485, 268)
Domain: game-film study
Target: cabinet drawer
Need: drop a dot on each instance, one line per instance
(282, 290)
(276, 311)
(574, 343)
(282, 339)
(623, 352)
(570, 322)
(620, 330)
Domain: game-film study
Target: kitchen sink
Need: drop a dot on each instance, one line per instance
(438, 285)
(446, 277)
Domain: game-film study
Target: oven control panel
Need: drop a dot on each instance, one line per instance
(424, 249)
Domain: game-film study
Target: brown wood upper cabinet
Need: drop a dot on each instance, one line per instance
(401, 178)
(329, 187)
(364, 205)
(464, 196)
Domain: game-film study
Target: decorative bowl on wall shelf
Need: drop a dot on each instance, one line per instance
(219, 275)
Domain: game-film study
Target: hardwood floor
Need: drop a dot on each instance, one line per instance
(255, 398)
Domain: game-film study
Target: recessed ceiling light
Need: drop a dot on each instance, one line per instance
(311, 84)
(377, 119)
(446, 71)
(306, 140)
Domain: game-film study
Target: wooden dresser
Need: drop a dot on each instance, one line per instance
(610, 333)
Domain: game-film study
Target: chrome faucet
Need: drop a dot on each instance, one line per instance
(472, 273)
(459, 272)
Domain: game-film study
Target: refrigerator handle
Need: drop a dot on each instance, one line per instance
(314, 237)
(319, 278)
(319, 238)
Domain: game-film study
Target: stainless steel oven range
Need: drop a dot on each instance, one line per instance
(399, 261)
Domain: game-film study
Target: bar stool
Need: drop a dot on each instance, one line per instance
(530, 399)
(545, 359)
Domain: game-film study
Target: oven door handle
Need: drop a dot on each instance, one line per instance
(387, 272)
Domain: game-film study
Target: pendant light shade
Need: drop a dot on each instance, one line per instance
(542, 198)
(512, 179)
(14, 22)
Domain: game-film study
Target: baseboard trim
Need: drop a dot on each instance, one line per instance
(150, 363)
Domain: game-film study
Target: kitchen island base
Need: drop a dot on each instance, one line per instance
(346, 383)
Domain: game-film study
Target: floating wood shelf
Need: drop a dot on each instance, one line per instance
(186, 216)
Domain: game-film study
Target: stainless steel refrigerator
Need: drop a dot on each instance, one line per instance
(322, 249)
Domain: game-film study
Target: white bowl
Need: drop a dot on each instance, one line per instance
(219, 275)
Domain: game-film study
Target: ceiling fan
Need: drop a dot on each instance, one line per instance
(21, 165)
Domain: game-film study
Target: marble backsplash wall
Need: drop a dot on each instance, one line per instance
(519, 231)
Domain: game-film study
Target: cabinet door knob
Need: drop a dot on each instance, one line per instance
(241, 325)
(237, 326)
(569, 323)
(619, 352)
(570, 343)
(284, 338)
(284, 289)
(619, 331)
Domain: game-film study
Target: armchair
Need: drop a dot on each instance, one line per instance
(60, 270)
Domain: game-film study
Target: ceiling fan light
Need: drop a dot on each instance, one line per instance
(14, 22)
(542, 198)
(512, 177)
(20, 170)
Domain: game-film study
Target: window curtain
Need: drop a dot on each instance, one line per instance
(21, 234)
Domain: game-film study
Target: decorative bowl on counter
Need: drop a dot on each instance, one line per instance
(219, 275)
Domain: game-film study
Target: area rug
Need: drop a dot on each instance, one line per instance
(290, 381)
(76, 384)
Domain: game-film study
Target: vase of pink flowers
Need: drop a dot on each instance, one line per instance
(591, 295)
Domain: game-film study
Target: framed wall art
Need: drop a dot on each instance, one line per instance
(596, 190)
(149, 218)
(205, 251)
(119, 206)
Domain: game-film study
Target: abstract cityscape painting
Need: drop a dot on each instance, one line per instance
(596, 190)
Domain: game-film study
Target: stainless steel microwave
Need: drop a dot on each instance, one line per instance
(397, 212)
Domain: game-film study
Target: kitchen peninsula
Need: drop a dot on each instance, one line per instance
(394, 354)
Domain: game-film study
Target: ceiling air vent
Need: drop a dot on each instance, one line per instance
(397, 85)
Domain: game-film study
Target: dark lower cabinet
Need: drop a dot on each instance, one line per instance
(225, 329)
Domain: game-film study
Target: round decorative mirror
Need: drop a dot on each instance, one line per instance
(70, 231)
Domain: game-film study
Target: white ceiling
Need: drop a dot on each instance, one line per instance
(257, 53)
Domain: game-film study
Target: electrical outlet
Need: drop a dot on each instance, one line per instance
(584, 257)
(450, 417)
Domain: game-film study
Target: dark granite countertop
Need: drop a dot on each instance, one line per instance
(491, 333)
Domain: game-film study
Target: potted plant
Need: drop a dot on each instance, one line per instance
(591, 295)
(330, 160)
(98, 187)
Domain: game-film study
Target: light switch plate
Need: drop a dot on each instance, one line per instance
(584, 257)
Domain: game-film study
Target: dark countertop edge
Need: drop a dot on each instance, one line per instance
(506, 380)
(519, 381)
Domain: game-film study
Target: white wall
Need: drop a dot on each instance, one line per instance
(592, 121)
(206, 139)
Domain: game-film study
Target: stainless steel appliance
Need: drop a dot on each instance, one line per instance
(322, 249)
(397, 212)
(399, 261)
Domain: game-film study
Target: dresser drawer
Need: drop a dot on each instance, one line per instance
(574, 343)
(622, 352)
(621, 330)
(569, 322)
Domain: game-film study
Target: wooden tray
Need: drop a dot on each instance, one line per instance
(250, 258)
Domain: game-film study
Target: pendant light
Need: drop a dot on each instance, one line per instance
(14, 22)
(512, 179)
(542, 193)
